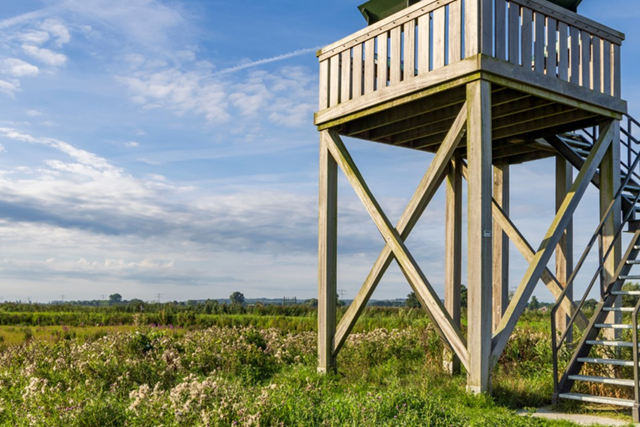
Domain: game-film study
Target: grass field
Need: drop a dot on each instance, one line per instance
(260, 371)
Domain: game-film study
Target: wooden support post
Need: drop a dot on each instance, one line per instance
(548, 245)
(500, 244)
(479, 235)
(609, 185)
(453, 253)
(564, 250)
(327, 256)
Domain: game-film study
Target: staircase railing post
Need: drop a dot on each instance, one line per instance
(636, 374)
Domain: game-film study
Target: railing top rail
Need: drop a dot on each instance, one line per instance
(412, 12)
(632, 120)
(575, 20)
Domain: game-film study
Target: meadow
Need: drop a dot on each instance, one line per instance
(253, 368)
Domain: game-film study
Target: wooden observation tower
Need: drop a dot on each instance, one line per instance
(485, 84)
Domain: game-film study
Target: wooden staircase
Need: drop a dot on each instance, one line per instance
(603, 347)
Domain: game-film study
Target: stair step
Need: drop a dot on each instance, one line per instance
(633, 188)
(583, 153)
(617, 309)
(597, 399)
(602, 380)
(633, 261)
(613, 326)
(636, 293)
(599, 361)
(610, 343)
(629, 277)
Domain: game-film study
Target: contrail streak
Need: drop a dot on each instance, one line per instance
(266, 61)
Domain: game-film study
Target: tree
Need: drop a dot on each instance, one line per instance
(534, 304)
(237, 298)
(412, 301)
(115, 299)
(313, 302)
(463, 296)
(630, 300)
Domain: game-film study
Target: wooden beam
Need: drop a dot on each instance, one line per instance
(479, 267)
(501, 181)
(453, 253)
(551, 239)
(424, 291)
(426, 189)
(609, 184)
(564, 249)
(528, 253)
(543, 123)
(327, 256)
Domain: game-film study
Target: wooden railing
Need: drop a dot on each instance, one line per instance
(533, 34)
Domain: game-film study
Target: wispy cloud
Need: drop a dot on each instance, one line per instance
(259, 62)
(17, 67)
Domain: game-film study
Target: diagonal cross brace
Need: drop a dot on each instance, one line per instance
(421, 286)
(551, 239)
(428, 186)
(549, 279)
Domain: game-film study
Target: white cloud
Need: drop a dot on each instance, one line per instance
(9, 88)
(131, 144)
(33, 113)
(45, 56)
(58, 30)
(17, 68)
(35, 37)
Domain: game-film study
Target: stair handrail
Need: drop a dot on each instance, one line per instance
(557, 345)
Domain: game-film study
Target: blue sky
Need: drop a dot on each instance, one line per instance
(152, 146)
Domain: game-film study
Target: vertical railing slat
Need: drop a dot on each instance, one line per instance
(527, 37)
(552, 38)
(539, 43)
(455, 31)
(439, 39)
(585, 59)
(334, 85)
(423, 44)
(501, 29)
(575, 56)
(369, 66)
(383, 40)
(617, 72)
(596, 46)
(323, 97)
(486, 26)
(345, 77)
(563, 64)
(606, 67)
(514, 33)
(395, 55)
(356, 89)
(409, 50)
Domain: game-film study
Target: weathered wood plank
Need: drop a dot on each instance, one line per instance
(574, 75)
(563, 63)
(356, 89)
(409, 50)
(486, 26)
(395, 55)
(327, 256)
(472, 37)
(323, 98)
(501, 30)
(383, 61)
(421, 286)
(501, 181)
(345, 77)
(479, 267)
(564, 249)
(369, 66)
(439, 38)
(527, 38)
(424, 36)
(551, 239)
(539, 43)
(596, 51)
(426, 190)
(334, 81)
(617, 71)
(552, 54)
(606, 68)
(514, 33)
(453, 252)
(455, 31)
(585, 59)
